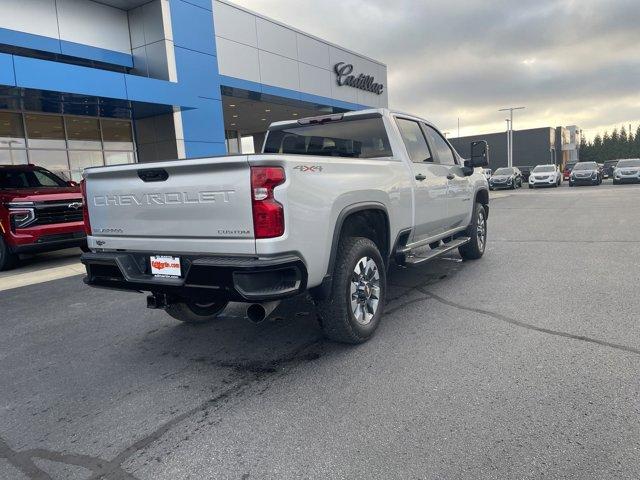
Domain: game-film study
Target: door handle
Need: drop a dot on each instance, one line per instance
(451, 176)
(420, 177)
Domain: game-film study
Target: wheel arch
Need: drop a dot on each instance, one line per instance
(367, 219)
(482, 197)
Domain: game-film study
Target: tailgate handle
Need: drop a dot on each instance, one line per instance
(153, 175)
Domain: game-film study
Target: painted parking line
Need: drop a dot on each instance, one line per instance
(18, 280)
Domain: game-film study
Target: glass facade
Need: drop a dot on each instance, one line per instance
(65, 144)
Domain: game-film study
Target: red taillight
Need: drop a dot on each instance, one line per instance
(268, 215)
(85, 208)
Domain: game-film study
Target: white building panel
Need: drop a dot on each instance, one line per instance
(234, 24)
(238, 60)
(252, 47)
(313, 52)
(315, 80)
(94, 24)
(276, 39)
(37, 17)
(279, 71)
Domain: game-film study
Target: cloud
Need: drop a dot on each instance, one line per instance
(569, 62)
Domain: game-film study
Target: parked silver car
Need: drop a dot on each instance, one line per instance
(627, 171)
(545, 176)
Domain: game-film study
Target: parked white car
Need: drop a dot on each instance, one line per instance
(545, 176)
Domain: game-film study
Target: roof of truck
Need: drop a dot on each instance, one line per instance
(353, 113)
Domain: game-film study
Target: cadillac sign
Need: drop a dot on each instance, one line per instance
(344, 71)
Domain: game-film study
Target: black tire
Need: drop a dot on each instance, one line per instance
(571, 184)
(337, 315)
(530, 186)
(476, 246)
(513, 186)
(85, 248)
(7, 258)
(615, 182)
(195, 313)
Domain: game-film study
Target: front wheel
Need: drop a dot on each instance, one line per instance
(196, 312)
(7, 258)
(477, 232)
(352, 312)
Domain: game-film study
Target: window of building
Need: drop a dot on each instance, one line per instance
(11, 130)
(83, 133)
(65, 144)
(117, 134)
(45, 131)
(117, 158)
(54, 160)
(414, 141)
(440, 146)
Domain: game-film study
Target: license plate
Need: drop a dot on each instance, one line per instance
(165, 266)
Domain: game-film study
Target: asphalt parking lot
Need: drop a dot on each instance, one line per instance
(523, 364)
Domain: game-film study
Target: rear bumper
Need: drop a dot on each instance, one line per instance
(240, 279)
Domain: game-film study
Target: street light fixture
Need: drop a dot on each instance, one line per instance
(510, 134)
(508, 141)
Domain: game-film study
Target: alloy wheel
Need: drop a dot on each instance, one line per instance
(365, 290)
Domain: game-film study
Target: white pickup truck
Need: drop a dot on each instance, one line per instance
(325, 209)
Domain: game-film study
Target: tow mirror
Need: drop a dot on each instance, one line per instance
(479, 154)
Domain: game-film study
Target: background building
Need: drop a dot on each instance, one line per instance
(86, 83)
(531, 147)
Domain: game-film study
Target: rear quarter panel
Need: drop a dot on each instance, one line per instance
(318, 189)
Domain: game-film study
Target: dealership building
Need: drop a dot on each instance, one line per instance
(531, 147)
(87, 83)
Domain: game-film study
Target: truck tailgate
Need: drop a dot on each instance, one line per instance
(200, 205)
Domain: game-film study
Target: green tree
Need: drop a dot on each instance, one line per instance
(605, 150)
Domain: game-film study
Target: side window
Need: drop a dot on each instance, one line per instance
(440, 146)
(45, 180)
(414, 141)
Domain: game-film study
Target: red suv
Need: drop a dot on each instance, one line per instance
(39, 211)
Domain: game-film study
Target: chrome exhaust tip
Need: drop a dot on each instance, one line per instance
(258, 312)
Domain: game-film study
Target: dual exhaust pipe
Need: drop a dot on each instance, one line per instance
(257, 312)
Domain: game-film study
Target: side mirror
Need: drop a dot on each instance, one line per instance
(479, 155)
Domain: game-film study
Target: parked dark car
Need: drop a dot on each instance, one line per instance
(566, 173)
(585, 173)
(506, 177)
(609, 167)
(526, 171)
(39, 211)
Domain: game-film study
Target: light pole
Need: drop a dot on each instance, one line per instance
(508, 142)
(510, 110)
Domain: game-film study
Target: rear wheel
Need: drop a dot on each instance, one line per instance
(196, 312)
(477, 232)
(352, 312)
(7, 258)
